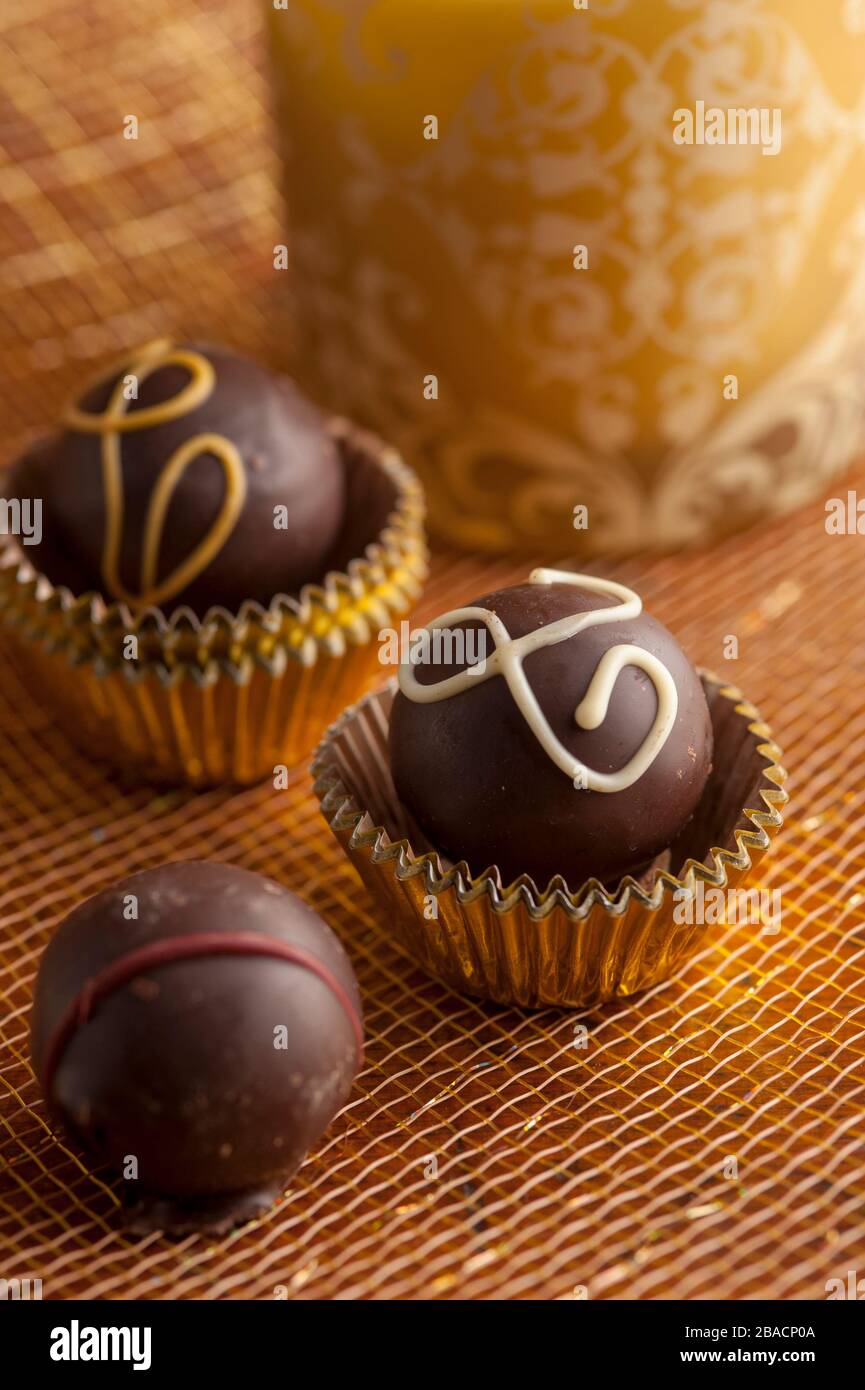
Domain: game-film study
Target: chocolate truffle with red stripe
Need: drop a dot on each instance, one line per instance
(197, 1027)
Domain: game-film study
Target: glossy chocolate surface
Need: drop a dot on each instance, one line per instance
(480, 786)
(290, 461)
(215, 1073)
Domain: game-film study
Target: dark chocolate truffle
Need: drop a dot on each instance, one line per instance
(197, 1027)
(188, 476)
(523, 765)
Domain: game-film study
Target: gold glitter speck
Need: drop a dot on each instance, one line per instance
(444, 1281)
(304, 1275)
(707, 1209)
(479, 1261)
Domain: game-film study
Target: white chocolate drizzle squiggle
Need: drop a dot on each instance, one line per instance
(507, 660)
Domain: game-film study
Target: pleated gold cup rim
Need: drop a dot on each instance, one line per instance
(516, 944)
(228, 697)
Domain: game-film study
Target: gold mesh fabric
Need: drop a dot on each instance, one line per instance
(485, 1152)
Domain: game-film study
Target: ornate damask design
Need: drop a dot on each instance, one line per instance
(605, 386)
(362, 58)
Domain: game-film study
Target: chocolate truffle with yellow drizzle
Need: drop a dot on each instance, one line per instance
(565, 751)
(189, 476)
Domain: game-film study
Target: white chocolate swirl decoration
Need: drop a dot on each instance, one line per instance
(507, 660)
(115, 421)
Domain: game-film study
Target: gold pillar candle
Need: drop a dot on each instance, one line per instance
(698, 367)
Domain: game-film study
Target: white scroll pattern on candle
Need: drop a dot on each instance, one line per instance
(604, 373)
(507, 660)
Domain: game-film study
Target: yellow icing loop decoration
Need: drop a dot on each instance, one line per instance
(116, 421)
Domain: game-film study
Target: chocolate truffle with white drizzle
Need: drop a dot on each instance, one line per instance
(578, 747)
(188, 476)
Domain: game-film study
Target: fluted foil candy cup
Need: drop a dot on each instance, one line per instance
(514, 944)
(227, 697)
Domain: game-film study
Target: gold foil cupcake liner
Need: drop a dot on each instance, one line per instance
(512, 943)
(228, 697)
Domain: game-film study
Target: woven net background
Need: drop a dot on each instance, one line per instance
(559, 1169)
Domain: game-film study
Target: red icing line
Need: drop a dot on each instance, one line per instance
(172, 948)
